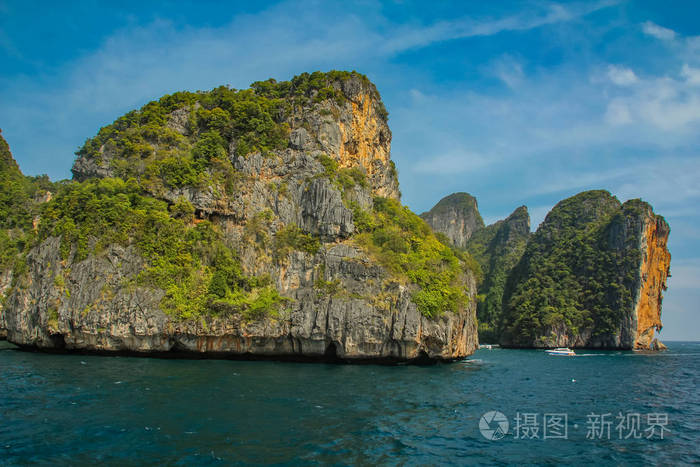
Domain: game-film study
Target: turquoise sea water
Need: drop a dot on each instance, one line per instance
(78, 410)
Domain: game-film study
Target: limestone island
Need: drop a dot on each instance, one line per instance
(267, 223)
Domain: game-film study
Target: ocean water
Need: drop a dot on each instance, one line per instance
(85, 410)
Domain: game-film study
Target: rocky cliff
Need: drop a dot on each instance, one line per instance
(20, 199)
(591, 276)
(456, 216)
(498, 248)
(652, 232)
(260, 222)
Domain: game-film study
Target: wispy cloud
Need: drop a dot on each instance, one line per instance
(668, 182)
(452, 163)
(658, 32)
(414, 37)
(666, 102)
(691, 75)
(618, 113)
(508, 69)
(621, 76)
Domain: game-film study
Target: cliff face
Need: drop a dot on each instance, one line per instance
(20, 198)
(653, 232)
(456, 216)
(93, 310)
(250, 223)
(498, 248)
(591, 276)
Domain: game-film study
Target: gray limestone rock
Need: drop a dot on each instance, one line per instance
(341, 302)
(457, 216)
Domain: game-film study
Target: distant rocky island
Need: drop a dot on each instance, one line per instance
(267, 223)
(592, 275)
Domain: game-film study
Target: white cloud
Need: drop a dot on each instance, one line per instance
(416, 37)
(667, 181)
(618, 113)
(417, 96)
(550, 135)
(665, 102)
(621, 76)
(452, 163)
(668, 104)
(691, 75)
(560, 181)
(658, 32)
(508, 70)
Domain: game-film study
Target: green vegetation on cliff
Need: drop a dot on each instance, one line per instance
(184, 139)
(497, 248)
(17, 206)
(342, 178)
(577, 272)
(316, 87)
(187, 260)
(407, 247)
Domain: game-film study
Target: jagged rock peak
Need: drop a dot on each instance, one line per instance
(580, 209)
(519, 217)
(7, 162)
(517, 224)
(501, 233)
(457, 216)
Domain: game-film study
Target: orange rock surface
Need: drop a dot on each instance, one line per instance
(366, 142)
(656, 263)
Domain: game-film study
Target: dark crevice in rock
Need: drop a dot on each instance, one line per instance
(331, 354)
(423, 359)
(58, 341)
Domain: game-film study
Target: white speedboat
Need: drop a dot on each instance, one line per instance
(565, 351)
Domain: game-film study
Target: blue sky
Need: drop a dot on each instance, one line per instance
(516, 102)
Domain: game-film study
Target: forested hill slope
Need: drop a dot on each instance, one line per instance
(498, 248)
(591, 276)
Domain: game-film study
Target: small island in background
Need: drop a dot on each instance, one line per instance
(592, 275)
(267, 223)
